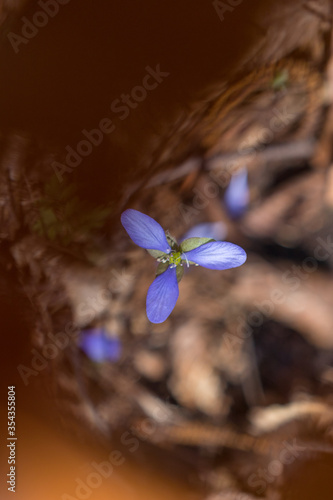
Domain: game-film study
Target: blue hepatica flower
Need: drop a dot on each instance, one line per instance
(99, 346)
(163, 292)
(237, 194)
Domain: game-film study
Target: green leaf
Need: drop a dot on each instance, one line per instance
(171, 240)
(52, 233)
(163, 266)
(179, 272)
(48, 216)
(280, 80)
(157, 254)
(193, 243)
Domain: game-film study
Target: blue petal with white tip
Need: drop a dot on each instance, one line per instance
(218, 255)
(144, 231)
(162, 296)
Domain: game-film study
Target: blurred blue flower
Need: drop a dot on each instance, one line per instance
(163, 292)
(213, 230)
(237, 194)
(98, 346)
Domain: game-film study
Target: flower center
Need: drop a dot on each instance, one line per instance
(175, 259)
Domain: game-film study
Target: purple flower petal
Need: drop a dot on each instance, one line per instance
(144, 231)
(98, 346)
(217, 255)
(237, 195)
(213, 230)
(162, 296)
